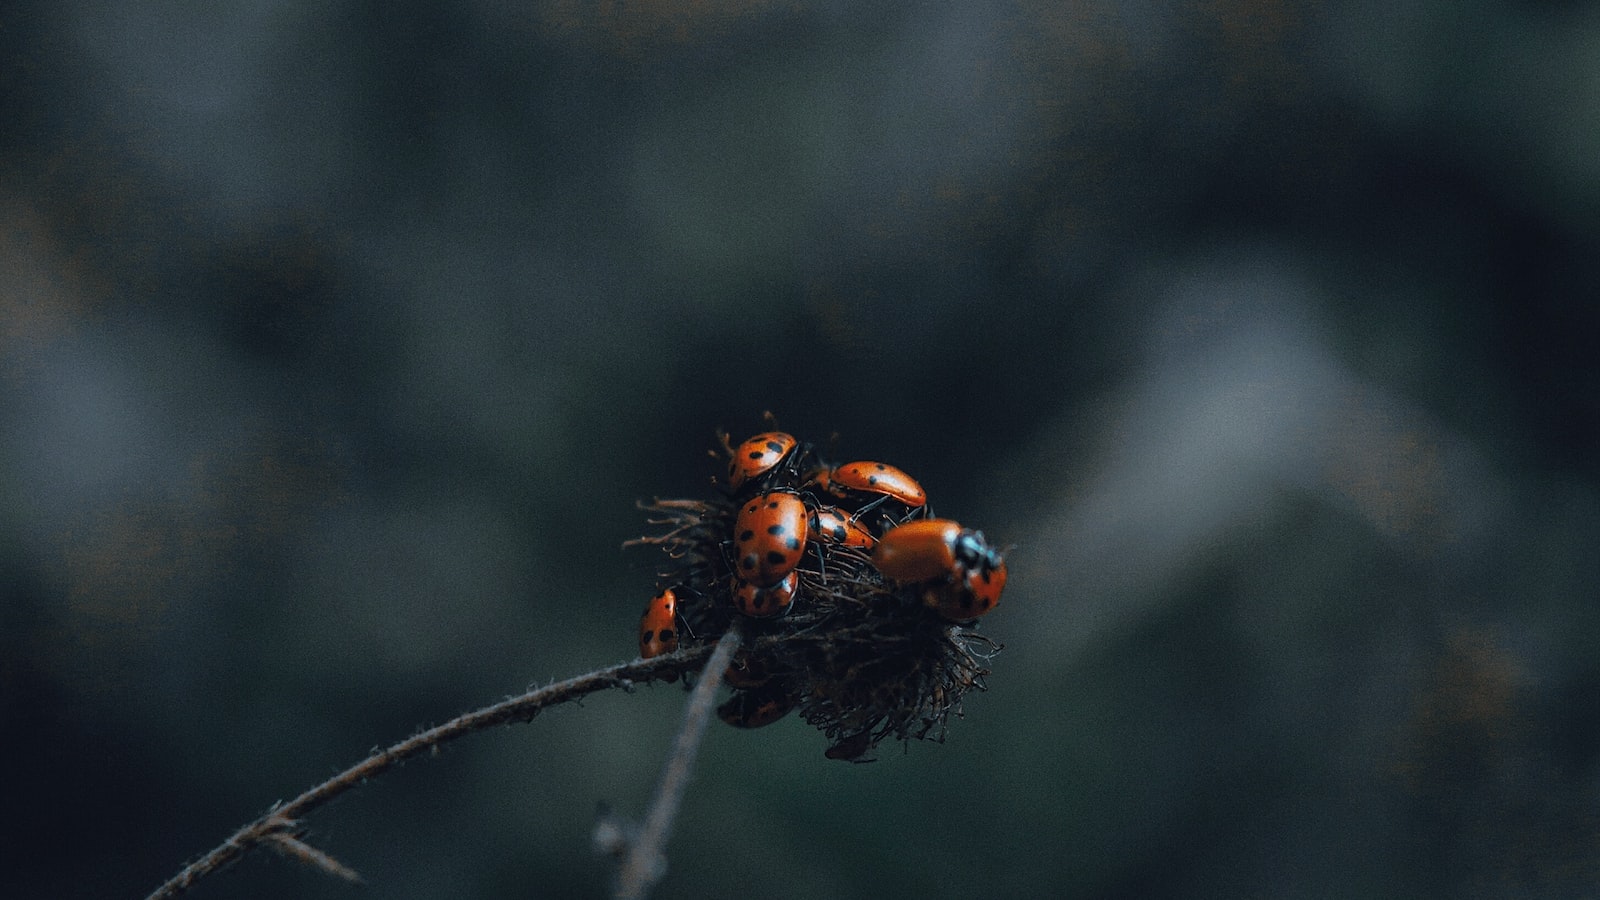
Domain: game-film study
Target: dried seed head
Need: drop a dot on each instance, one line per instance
(860, 656)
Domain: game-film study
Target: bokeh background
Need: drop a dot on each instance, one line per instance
(338, 341)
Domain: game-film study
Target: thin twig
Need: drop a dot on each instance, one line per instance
(304, 853)
(282, 818)
(645, 863)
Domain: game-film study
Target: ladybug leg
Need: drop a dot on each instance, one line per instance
(822, 563)
(791, 465)
(869, 507)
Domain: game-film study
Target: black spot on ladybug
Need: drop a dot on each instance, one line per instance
(775, 558)
(774, 447)
(746, 535)
(647, 636)
(839, 533)
(666, 634)
(749, 561)
(759, 600)
(775, 529)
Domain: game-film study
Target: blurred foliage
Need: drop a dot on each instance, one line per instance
(338, 341)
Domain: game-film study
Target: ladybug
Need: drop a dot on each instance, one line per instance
(830, 525)
(871, 478)
(967, 574)
(658, 630)
(982, 589)
(974, 594)
(767, 602)
(757, 707)
(758, 456)
(769, 538)
(918, 551)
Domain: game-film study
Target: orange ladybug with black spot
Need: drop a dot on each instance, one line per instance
(658, 629)
(769, 537)
(867, 477)
(758, 456)
(831, 525)
(963, 575)
(767, 602)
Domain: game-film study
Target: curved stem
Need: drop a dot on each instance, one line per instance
(283, 820)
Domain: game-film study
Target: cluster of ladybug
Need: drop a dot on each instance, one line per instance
(847, 560)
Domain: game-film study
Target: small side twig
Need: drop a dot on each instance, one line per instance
(292, 847)
(645, 863)
(275, 826)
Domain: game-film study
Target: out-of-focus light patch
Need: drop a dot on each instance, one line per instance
(1225, 416)
(635, 29)
(43, 293)
(1475, 757)
(821, 155)
(1241, 403)
(232, 103)
(90, 427)
(1559, 102)
(135, 470)
(728, 182)
(1525, 114)
(134, 559)
(197, 60)
(1470, 689)
(1388, 461)
(496, 337)
(425, 584)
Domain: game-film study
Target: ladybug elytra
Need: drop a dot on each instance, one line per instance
(767, 602)
(758, 456)
(658, 629)
(872, 478)
(769, 538)
(831, 525)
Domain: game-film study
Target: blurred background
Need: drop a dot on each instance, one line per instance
(338, 341)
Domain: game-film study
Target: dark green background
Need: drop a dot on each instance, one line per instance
(337, 342)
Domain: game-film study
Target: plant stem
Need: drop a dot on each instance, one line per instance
(284, 820)
(646, 863)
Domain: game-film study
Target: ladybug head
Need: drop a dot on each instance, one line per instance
(974, 553)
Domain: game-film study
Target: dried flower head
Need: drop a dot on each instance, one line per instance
(787, 551)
